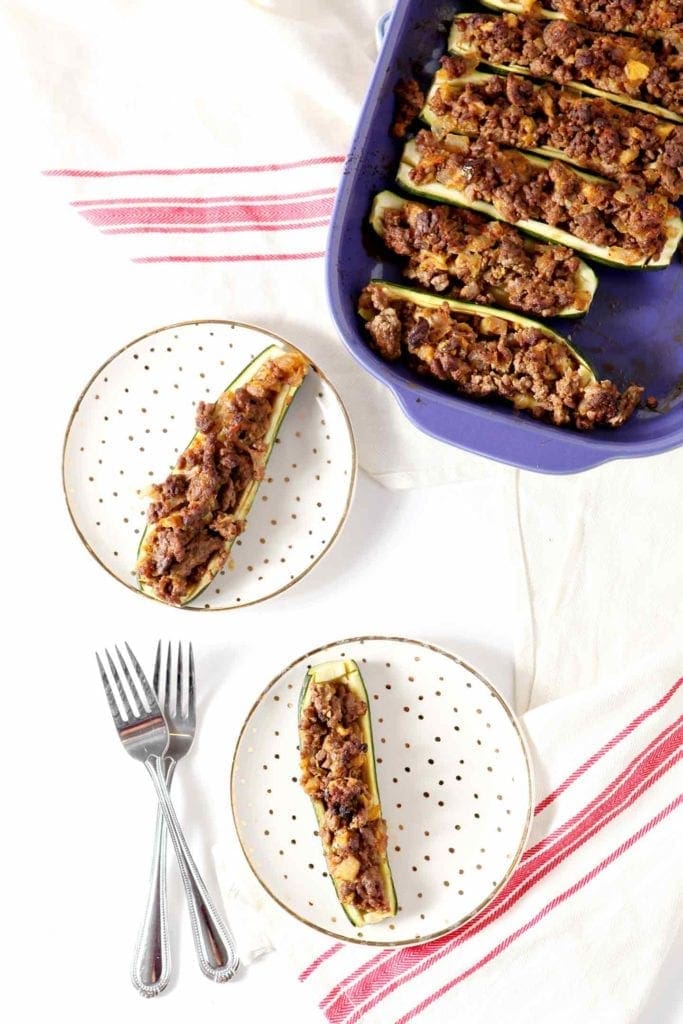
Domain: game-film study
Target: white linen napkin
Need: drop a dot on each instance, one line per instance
(599, 574)
(580, 931)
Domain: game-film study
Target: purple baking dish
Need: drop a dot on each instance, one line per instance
(633, 331)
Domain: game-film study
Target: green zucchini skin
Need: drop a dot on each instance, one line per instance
(431, 301)
(347, 671)
(587, 279)
(455, 46)
(519, 9)
(537, 229)
(281, 406)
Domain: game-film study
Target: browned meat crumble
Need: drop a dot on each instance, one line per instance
(193, 509)
(334, 771)
(628, 219)
(643, 17)
(486, 356)
(409, 102)
(468, 257)
(649, 71)
(618, 142)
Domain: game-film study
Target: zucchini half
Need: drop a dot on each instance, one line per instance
(434, 121)
(429, 301)
(280, 407)
(348, 673)
(458, 46)
(531, 9)
(601, 254)
(586, 280)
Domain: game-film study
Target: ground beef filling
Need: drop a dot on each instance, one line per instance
(649, 71)
(618, 142)
(488, 357)
(192, 511)
(643, 17)
(334, 770)
(467, 257)
(409, 102)
(628, 219)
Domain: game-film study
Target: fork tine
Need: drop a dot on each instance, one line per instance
(170, 709)
(127, 707)
(180, 702)
(113, 706)
(157, 672)
(134, 689)
(190, 684)
(146, 688)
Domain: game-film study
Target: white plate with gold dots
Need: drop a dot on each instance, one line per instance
(454, 778)
(137, 413)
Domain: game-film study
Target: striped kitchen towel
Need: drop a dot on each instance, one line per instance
(249, 213)
(580, 931)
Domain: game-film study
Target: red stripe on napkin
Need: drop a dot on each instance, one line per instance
(552, 905)
(306, 973)
(248, 258)
(254, 214)
(151, 230)
(276, 196)
(69, 172)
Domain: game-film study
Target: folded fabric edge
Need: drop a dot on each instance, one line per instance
(524, 640)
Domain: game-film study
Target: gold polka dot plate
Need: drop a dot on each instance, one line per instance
(455, 783)
(137, 413)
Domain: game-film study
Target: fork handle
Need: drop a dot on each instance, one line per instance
(151, 968)
(213, 940)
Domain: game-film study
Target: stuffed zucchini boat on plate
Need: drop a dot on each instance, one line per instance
(641, 17)
(466, 256)
(201, 508)
(338, 773)
(639, 73)
(624, 225)
(491, 353)
(614, 141)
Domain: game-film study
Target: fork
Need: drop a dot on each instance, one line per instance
(151, 969)
(145, 735)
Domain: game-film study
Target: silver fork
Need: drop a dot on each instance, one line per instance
(151, 968)
(145, 736)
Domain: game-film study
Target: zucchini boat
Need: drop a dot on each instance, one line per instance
(647, 18)
(558, 123)
(492, 353)
(201, 508)
(500, 176)
(466, 256)
(544, 50)
(338, 772)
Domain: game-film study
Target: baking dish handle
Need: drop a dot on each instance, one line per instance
(381, 27)
(515, 446)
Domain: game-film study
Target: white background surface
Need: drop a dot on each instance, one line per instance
(78, 815)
